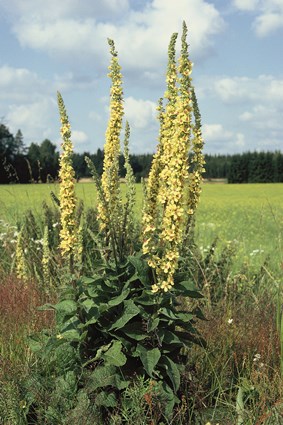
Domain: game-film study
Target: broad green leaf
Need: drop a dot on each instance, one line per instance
(141, 268)
(187, 287)
(171, 338)
(66, 307)
(102, 376)
(168, 313)
(105, 399)
(114, 355)
(88, 304)
(172, 371)
(170, 399)
(152, 324)
(130, 311)
(185, 317)
(37, 342)
(146, 298)
(135, 331)
(119, 298)
(88, 280)
(149, 358)
(71, 335)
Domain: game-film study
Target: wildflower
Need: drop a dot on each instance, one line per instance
(110, 207)
(165, 211)
(230, 321)
(257, 357)
(45, 257)
(21, 265)
(67, 186)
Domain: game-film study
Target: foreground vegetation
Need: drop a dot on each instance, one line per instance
(152, 314)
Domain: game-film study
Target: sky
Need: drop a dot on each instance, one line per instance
(50, 46)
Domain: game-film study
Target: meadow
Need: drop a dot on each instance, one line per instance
(249, 215)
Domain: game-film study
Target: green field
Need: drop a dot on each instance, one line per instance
(250, 215)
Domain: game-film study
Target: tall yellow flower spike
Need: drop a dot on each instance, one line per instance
(68, 239)
(164, 217)
(110, 177)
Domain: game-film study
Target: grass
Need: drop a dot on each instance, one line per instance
(250, 215)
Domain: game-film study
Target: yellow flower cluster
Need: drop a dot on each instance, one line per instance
(198, 162)
(45, 257)
(21, 266)
(165, 211)
(110, 176)
(68, 238)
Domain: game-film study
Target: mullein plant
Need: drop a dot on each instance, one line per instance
(110, 208)
(46, 258)
(166, 210)
(21, 264)
(129, 221)
(68, 230)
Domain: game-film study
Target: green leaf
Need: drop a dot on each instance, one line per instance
(102, 376)
(114, 355)
(135, 331)
(168, 313)
(66, 307)
(152, 324)
(130, 311)
(88, 280)
(187, 287)
(71, 335)
(37, 342)
(141, 268)
(105, 399)
(119, 298)
(146, 298)
(171, 338)
(149, 358)
(172, 372)
(170, 399)
(88, 304)
(185, 317)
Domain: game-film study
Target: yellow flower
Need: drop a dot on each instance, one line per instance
(67, 186)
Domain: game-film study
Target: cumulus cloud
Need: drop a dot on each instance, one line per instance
(79, 137)
(140, 113)
(78, 30)
(20, 84)
(221, 140)
(239, 89)
(33, 119)
(268, 14)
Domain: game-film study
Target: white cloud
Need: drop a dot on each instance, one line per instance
(218, 139)
(213, 132)
(20, 84)
(140, 113)
(33, 119)
(246, 4)
(79, 137)
(78, 30)
(268, 14)
(239, 89)
(268, 23)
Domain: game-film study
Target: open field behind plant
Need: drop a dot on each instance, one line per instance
(250, 215)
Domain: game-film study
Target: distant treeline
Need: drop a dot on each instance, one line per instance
(248, 167)
(40, 162)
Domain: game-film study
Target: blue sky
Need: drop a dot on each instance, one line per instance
(235, 45)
